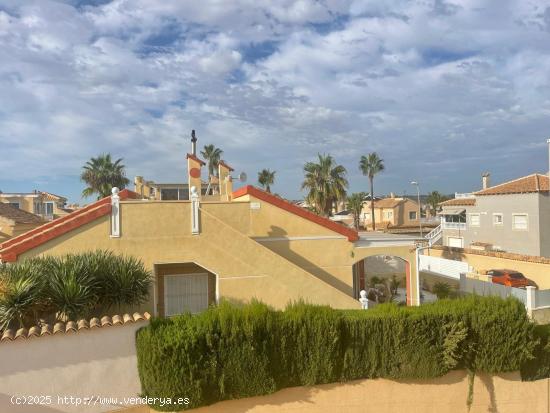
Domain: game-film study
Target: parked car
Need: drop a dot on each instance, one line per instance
(510, 278)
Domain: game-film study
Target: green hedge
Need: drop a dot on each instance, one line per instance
(230, 352)
(539, 366)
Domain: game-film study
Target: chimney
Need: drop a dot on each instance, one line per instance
(392, 195)
(486, 180)
(193, 143)
(194, 165)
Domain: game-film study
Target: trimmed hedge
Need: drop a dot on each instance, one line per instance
(230, 352)
(539, 366)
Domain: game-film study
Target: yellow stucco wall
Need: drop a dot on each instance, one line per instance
(159, 232)
(539, 273)
(305, 260)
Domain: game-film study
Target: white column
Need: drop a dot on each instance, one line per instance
(195, 227)
(115, 213)
(530, 302)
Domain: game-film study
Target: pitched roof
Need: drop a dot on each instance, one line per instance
(52, 197)
(195, 158)
(10, 249)
(459, 202)
(72, 326)
(387, 202)
(351, 234)
(527, 184)
(18, 215)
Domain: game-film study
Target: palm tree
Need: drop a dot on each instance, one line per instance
(101, 174)
(371, 165)
(213, 156)
(326, 182)
(266, 178)
(433, 199)
(355, 205)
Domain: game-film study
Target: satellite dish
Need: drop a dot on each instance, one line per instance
(242, 177)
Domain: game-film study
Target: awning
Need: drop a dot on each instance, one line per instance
(453, 212)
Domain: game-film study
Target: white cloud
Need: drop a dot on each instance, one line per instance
(447, 84)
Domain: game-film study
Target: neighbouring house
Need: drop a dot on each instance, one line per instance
(15, 221)
(393, 212)
(45, 204)
(513, 216)
(230, 244)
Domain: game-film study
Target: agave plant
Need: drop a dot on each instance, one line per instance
(71, 289)
(124, 281)
(21, 294)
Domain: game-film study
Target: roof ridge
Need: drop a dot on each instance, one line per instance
(49, 228)
(39, 235)
(70, 326)
(507, 182)
(351, 234)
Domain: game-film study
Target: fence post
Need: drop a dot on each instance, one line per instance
(195, 228)
(530, 302)
(115, 213)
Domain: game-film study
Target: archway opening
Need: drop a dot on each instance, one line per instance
(385, 278)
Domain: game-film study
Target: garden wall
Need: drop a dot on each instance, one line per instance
(505, 393)
(95, 359)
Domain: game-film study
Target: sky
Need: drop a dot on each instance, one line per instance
(442, 90)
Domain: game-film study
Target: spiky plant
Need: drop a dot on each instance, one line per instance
(21, 295)
(71, 289)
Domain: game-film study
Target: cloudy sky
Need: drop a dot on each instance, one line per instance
(442, 90)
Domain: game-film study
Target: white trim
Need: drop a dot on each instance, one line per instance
(527, 219)
(501, 223)
(473, 214)
(15, 202)
(243, 277)
(450, 236)
(312, 238)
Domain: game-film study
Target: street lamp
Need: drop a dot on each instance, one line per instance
(419, 207)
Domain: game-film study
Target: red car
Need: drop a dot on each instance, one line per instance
(510, 278)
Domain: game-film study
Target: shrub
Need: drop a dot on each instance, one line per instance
(539, 366)
(69, 287)
(230, 352)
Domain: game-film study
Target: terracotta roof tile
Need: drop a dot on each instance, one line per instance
(18, 215)
(527, 184)
(459, 202)
(351, 234)
(10, 249)
(387, 202)
(72, 327)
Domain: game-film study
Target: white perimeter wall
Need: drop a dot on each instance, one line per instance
(99, 362)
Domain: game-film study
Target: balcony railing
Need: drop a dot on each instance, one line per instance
(454, 225)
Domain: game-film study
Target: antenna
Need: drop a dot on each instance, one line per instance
(242, 177)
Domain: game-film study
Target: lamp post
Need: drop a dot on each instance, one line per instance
(419, 206)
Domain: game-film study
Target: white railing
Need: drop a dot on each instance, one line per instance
(454, 225)
(448, 268)
(434, 235)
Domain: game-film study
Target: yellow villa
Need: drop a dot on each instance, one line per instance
(45, 204)
(224, 244)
